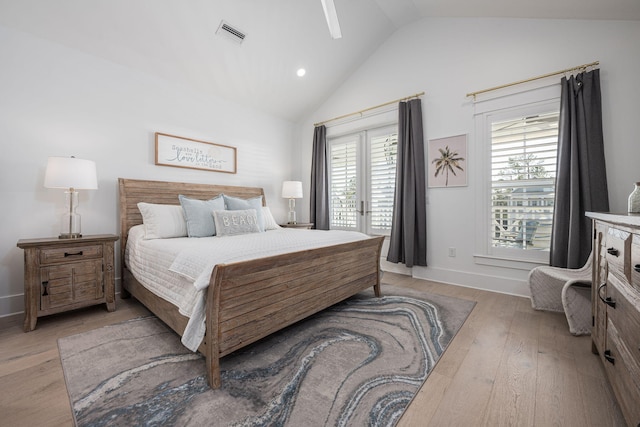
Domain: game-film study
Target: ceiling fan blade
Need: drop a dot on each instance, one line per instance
(332, 18)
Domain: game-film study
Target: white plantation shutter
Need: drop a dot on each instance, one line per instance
(382, 179)
(343, 180)
(523, 171)
(362, 168)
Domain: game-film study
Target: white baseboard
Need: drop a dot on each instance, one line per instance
(11, 305)
(394, 268)
(503, 285)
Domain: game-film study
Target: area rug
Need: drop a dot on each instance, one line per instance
(358, 363)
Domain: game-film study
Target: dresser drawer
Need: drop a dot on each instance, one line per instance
(617, 250)
(69, 253)
(635, 262)
(623, 372)
(625, 316)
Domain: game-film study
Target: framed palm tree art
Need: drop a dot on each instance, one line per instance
(448, 162)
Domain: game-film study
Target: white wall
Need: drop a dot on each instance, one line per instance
(448, 58)
(55, 101)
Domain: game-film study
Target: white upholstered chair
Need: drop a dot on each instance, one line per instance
(564, 290)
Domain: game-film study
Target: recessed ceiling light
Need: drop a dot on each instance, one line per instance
(301, 72)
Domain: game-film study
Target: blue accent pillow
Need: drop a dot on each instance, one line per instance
(198, 215)
(238, 204)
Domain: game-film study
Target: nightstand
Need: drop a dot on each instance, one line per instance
(65, 274)
(308, 225)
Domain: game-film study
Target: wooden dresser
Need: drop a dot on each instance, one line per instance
(616, 306)
(64, 274)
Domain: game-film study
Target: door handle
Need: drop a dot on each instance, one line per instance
(610, 302)
(362, 211)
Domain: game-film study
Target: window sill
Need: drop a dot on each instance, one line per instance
(517, 264)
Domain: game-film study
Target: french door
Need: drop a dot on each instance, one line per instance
(362, 174)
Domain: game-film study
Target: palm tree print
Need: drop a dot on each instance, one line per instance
(448, 161)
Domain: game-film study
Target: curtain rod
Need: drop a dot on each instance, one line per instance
(417, 95)
(579, 67)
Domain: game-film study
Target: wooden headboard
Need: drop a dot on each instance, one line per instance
(133, 191)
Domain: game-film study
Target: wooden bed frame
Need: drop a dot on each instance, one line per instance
(248, 300)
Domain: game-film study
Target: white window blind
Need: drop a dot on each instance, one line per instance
(362, 168)
(343, 190)
(382, 164)
(523, 171)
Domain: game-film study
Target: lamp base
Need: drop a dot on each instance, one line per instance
(291, 217)
(69, 236)
(70, 226)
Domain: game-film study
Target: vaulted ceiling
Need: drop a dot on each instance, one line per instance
(176, 39)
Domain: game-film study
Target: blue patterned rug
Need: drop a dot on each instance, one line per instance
(358, 363)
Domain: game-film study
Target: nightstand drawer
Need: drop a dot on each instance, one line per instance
(71, 283)
(69, 253)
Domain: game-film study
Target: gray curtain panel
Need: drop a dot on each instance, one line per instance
(581, 180)
(319, 180)
(408, 242)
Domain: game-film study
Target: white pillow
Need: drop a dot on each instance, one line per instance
(162, 221)
(230, 223)
(269, 222)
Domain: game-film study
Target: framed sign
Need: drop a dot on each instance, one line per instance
(448, 161)
(190, 153)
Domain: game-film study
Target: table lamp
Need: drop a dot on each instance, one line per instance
(292, 190)
(71, 174)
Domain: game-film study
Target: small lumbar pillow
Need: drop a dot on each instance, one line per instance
(269, 222)
(230, 223)
(162, 221)
(235, 204)
(197, 214)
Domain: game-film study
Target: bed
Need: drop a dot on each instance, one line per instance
(248, 300)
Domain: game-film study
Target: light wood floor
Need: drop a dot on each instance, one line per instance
(508, 366)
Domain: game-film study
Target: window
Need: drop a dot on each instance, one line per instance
(518, 143)
(362, 169)
(523, 171)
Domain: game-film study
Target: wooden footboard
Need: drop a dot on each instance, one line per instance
(249, 300)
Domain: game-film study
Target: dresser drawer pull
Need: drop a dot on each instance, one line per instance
(613, 251)
(44, 288)
(610, 302)
(637, 268)
(609, 358)
(66, 254)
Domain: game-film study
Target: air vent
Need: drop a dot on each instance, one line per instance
(230, 32)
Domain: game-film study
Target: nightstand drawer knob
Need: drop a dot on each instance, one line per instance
(68, 254)
(44, 288)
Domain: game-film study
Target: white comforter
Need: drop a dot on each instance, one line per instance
(193, 260)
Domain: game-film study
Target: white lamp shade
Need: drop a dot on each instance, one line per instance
(292, 190)
(69, 172)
